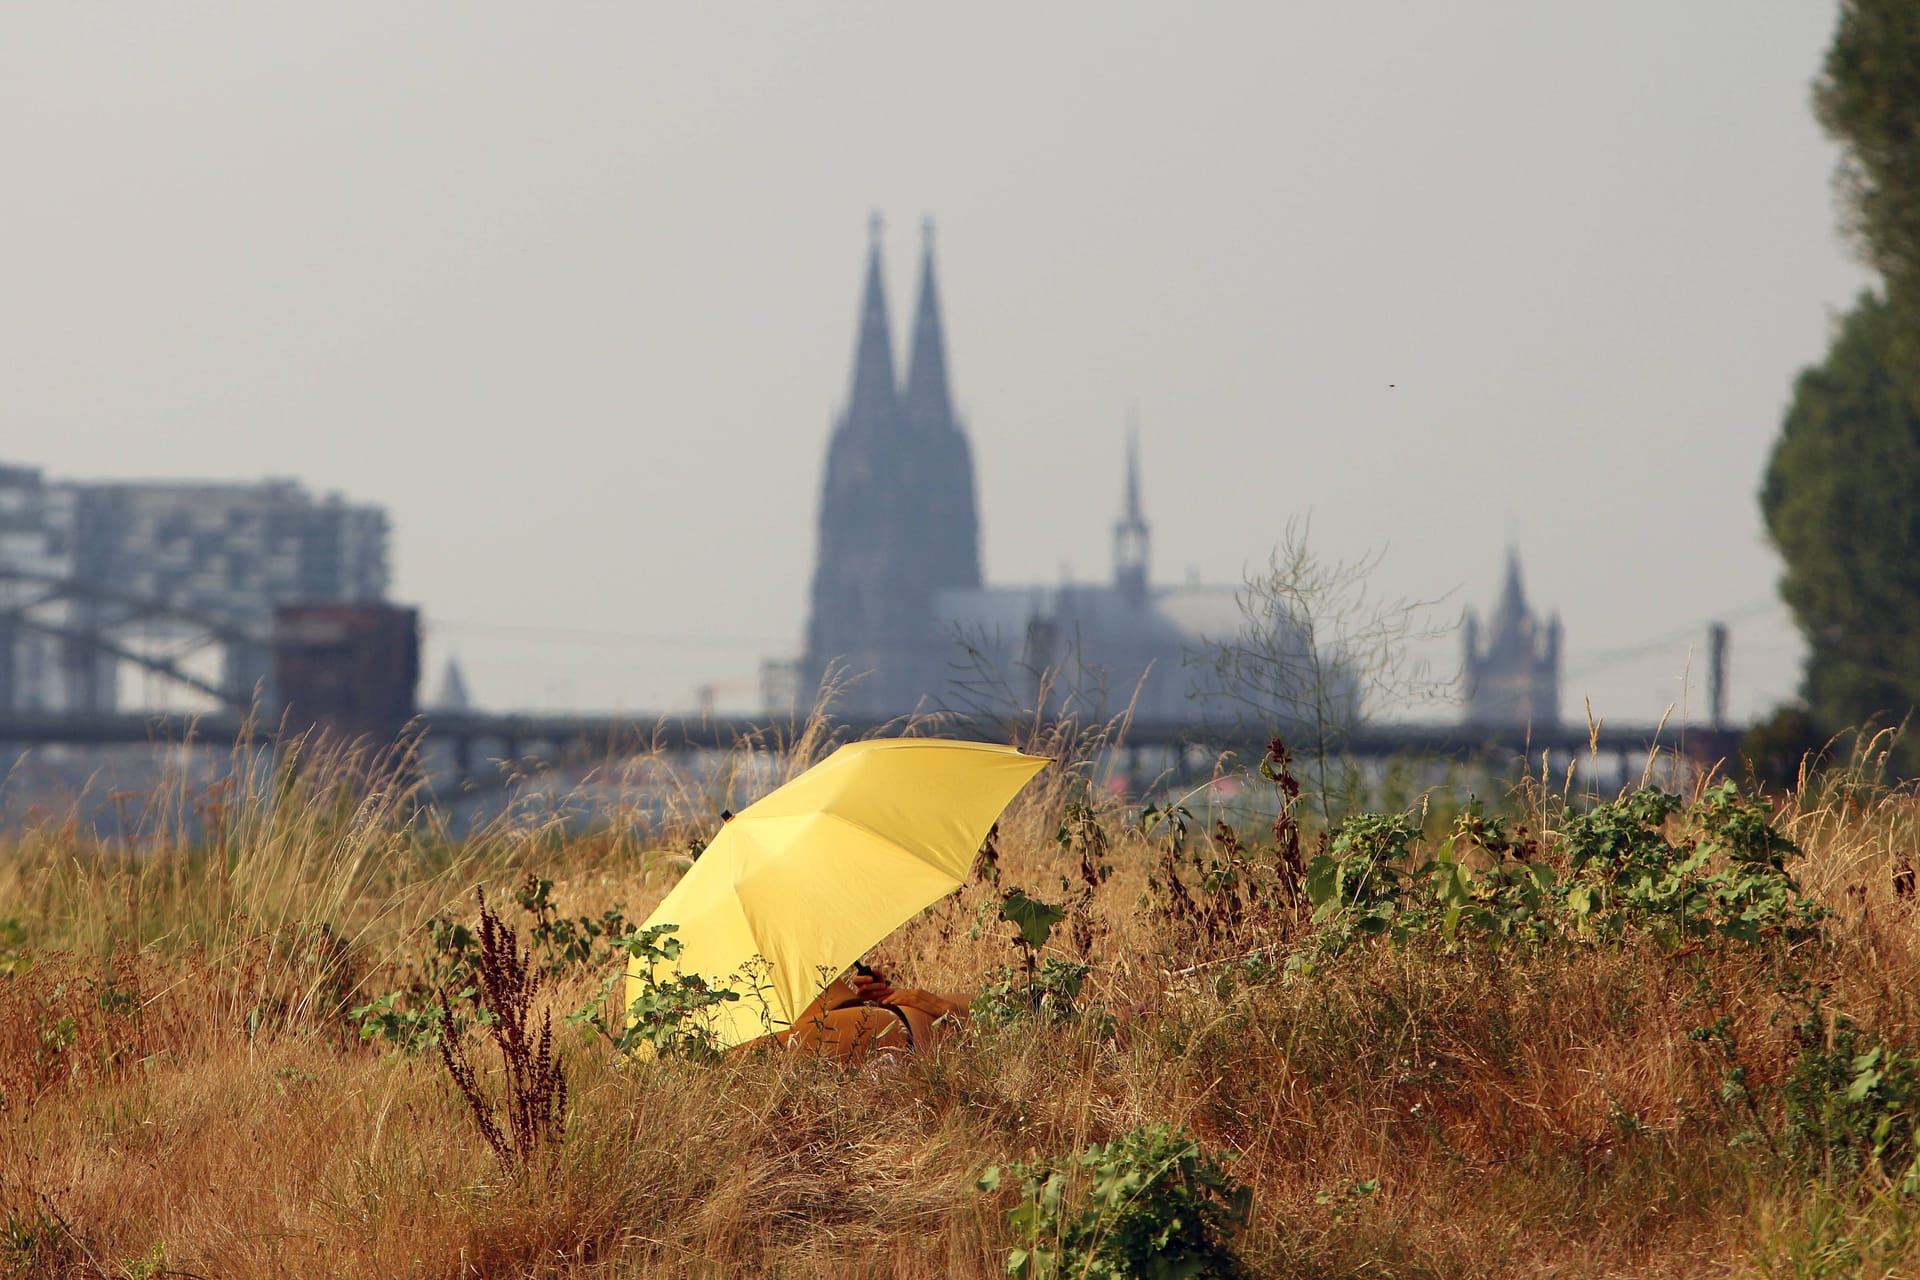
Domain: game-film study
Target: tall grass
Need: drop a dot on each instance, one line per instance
(186, 1089)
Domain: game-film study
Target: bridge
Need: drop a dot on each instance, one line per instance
(96, 628)
(477, 742)
(353, 667)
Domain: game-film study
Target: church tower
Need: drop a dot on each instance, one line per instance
(950, 528)
(897, 517)
(1514, 678)
(1131, 534)
(862, 571)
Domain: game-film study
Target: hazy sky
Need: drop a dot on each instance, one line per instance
(571, 290)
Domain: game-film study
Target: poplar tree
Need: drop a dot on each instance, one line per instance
(1841, 496)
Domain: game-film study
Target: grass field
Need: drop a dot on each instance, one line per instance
(1633, 1043)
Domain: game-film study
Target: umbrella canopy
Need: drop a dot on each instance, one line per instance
(802, 882)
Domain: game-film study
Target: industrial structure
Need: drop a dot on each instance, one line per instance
(350, 669)
(179, 579)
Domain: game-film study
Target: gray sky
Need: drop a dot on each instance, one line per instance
(571, 290)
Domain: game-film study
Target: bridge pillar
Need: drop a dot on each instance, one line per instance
(91, 677)
(463, 757)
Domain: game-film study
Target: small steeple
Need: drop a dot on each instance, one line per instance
(1131, 534)
(871, 398)
(1130, 507)
(929, 400)
(1513, 597)
(453, 695)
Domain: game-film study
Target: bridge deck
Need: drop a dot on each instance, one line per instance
(573, 734)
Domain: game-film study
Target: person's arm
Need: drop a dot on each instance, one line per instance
(875, 988)
(837, 993)
(932, 1003)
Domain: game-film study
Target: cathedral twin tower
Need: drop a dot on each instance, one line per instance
(897, 516)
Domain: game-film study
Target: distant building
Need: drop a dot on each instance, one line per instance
(90, 567)
(899, 608)
(1096, 649)
(36, 547)
(1512, 668)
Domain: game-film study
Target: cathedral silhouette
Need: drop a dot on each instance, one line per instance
(897, 517)
(900, 620)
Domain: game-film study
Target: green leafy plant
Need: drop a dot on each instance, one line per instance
(1753, 894)
(1049, 988)
(1505, 892)
(1358, 886)
(568, 944)
(413, 1017)
(535, 1105)
(1647, 861)
(1032, 919)
(1853, 1104)
(1151, 1203)
(1050, 993)
(1725, 875)
(672, 1016)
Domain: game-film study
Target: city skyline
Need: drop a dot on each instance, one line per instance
(578, 317)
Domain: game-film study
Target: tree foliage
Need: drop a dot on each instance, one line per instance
(1841, 496)
(1840, 503)
(1868, 99)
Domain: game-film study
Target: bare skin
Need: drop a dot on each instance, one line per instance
(850, 1020)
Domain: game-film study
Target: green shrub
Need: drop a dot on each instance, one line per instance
(1721, 873)
(1050, 993)
(1853, 1104)
(1511, 895)
(413, 1017)
(1726, 875)
(1359, 885)
(1151, 1204)
(1044, 989)
(673, 1015)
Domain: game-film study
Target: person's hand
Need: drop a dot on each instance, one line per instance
(872, 987)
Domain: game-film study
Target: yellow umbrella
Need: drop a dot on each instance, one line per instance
(802, 882)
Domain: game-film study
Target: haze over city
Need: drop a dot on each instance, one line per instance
(575, 298)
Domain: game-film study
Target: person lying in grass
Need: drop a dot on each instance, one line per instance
(865, 1014)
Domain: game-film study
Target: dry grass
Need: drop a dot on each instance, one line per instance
(184, 1092)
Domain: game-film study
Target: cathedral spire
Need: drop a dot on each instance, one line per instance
(1513, 597)
(929, 400)
(944, 510)
(871, 399)
(1131, 533)
(1130, 512)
